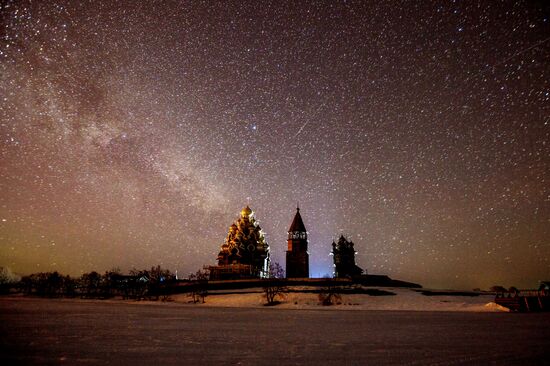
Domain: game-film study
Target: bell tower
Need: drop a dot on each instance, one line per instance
(297, 257)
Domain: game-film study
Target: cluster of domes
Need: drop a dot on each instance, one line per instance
(245, 244)
(245, 252)
(344, 258)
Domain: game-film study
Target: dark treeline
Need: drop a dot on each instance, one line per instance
(139, 284)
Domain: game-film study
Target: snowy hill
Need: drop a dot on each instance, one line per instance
(386, 298)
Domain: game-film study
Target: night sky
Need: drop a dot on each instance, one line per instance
(133, 133)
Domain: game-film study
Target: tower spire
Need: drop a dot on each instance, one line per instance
(297, 257)
(297, 225)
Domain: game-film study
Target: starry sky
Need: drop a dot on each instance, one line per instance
(134, 132)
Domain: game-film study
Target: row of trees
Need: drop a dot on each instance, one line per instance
(152, 284)
(139, 284)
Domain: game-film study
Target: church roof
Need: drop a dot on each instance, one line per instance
(297, 223)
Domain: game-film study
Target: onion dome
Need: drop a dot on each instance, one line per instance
(246, 212)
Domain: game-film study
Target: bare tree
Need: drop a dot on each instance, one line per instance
(199, 286)
(54, 284)
(69, 286)
(274, 286)
(108, 284)
(158, 277)
(330, 295)
(90, 284)
(138, 285)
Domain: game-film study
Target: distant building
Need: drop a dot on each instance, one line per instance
(244, 253)
(344, 259)
(297, 257)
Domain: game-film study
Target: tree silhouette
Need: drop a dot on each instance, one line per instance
(330, 294)
(69, 286)
(274, 286)
(109, 285)
(7, 279)
(199, 286)
(54, 284)
(90, 284)
(158, 277)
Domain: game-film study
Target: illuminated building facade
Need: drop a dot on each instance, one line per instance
(244, 253)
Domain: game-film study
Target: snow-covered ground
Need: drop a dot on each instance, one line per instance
(37, 331)
(404, 299)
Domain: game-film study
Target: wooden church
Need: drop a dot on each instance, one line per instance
(244, 253)
(344, 259)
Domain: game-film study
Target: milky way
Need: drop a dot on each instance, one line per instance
(133, 133)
